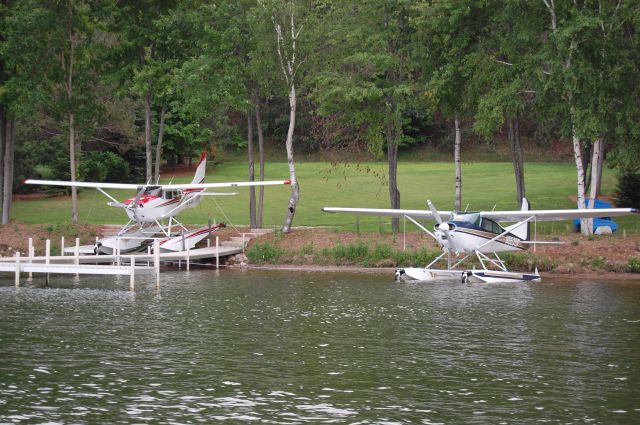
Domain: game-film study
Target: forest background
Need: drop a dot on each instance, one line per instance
(109, 90)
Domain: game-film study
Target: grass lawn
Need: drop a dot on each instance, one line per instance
(485, 185)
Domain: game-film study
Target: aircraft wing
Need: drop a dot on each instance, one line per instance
(387, 212)
(83, 184)
(557, 215)
(165, 186)
(225, 184)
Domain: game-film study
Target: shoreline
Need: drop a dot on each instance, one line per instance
(311, 249)
(374, 270)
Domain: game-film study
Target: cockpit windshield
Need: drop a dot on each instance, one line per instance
(150, 190)
(472, 218)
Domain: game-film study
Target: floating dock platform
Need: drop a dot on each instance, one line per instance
(82, 259)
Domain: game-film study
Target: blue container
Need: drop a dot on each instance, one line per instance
(599, 221)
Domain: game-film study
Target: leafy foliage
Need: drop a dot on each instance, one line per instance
(104, 167)
(628, 189)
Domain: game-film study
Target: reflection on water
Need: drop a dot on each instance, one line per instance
(292, 347)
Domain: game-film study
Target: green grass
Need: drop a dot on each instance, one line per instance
(485, 186)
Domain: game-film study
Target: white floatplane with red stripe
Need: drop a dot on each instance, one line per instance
(152, 211)
(467, 235)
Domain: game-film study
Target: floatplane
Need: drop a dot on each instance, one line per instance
(464, 236)
(152, 211)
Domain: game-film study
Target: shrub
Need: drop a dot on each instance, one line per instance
(264, 253)
(104, 166)
(627, 191)
(307, 249)
(352, 253)
(633, 265)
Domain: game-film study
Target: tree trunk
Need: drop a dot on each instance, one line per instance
(295, 187)
(156, 174)
(147, 134)
(252, 190)
(585, 227)
(513, 130)
(456, 160)
(256, 101)
(72, 168)
(3, 130)
(596, 176)
(392, 158)
(9, 150)
(597, 161)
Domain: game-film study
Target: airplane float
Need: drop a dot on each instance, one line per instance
(153, 209)
(465, 234)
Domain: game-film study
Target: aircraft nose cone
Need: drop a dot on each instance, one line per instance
(443, 226)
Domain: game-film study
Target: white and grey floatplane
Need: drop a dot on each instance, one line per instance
(152, 211)
(467, 235)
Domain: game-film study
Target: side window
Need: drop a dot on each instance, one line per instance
(491, 226)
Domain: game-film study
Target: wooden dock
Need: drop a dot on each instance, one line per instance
(129, 264)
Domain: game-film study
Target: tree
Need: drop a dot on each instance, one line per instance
(53, 68)
(6, 123)
(365, 76)
(284, 17)
(590, 62)
(449, 33)
(506, 77)
(139, 64)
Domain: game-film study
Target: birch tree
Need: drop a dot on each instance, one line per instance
(586, 55)
(284, 17)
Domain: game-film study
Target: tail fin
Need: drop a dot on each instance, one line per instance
(200, 171)
(522, 230)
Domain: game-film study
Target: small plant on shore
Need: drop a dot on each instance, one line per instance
(264, 253)
(599, 263)
(633, 265)
(63, 229)
(352, 253)
(307, 248)
(517, 261)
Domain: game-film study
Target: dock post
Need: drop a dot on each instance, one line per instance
(62, 246)
(132, 276)
(188, 258)
(148, 255)
(30, 253)
(156, 260)
(76, 254)
(118, 251)
(243, 243)
(47, 255)
(217, 252)
(17, 269)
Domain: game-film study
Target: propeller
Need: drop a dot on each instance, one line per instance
(133, 205)
(434, 211)
(442, 225)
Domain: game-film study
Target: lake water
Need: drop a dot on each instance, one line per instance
(283, 347)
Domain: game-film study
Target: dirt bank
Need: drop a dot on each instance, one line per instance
(307, 248)
(574, 254)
